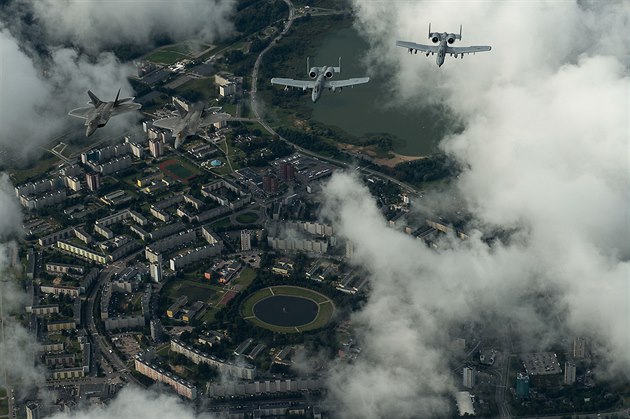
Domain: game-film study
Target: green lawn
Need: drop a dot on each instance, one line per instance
(46, 163)
(326, 308)
(247, 218)
(221, 223)
(208, 316)
(4, 407)
(300, 292)
(245, 278)
(166, 57)
(206, 87)
(195, 291)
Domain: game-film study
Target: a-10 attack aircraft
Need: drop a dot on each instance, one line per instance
(97, 115)
(321, 80)
(445, 40)
(189, 121)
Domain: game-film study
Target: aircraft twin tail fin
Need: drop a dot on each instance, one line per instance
(95, 101)
(116, 100)
(338, 69)
(180, 109)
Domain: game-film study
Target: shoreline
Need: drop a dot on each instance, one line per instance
(381, 161)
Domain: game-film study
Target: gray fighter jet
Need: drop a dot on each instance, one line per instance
(321, 80)
(97, 115)
(189, 121)
(444, 40)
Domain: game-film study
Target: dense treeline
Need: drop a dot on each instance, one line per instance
(432, 168)
(258, 15)
(309, 141)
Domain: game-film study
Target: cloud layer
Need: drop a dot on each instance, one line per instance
(96, 24)
(545, 152)
(39, 92)
(44, 75)
(133, 402)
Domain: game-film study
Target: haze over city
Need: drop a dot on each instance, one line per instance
(242, 232)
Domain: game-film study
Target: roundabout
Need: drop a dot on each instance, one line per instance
(288, 309)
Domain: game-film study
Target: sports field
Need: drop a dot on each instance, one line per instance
(178, 170)
(326, 307)
(195, 291)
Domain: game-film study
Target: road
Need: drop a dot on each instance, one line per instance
(99, 342)
(258, 117)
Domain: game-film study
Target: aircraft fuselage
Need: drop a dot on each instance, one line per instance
(99, 117)
(188, 127)
(441, 53)
(319, 87)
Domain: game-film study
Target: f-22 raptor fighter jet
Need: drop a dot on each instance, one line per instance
(189, 121)
(444, 41)
(97, 115)
(321, 80)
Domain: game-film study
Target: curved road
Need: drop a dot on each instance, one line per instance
(258, 117)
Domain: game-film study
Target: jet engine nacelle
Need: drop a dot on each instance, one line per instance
(329, 73)
(435, 39)
(451, 38)
(313, 72)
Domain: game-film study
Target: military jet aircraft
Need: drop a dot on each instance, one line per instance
(189, 121)
(97, 115)
(321, 80)
(444, 40)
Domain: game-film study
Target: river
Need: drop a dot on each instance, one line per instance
(361, 110)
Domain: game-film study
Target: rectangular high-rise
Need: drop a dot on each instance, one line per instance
(468, 377)
(246, 242)
(93, 181)
(579, 347)
(155, 147)
(569, 373)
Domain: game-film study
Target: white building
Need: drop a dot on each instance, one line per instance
(156, 270)
(468, 377)
(246, 242)
(569, 373)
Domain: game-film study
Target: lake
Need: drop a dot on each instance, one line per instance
(361, 110)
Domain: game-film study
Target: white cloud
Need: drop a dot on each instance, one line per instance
(96, 24)
(133, 402)
(545, 154)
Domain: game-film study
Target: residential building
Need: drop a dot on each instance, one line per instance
(246, 243)
(244, 371)
(569, 373)
(182, 387)
(155, 147)
(93, 181)
(522, 386)
(579, 347)
(468, 377)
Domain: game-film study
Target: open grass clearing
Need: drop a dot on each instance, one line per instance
(249, 217)
(195, 291)
(245, 278)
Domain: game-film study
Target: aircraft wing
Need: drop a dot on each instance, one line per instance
(81, 112)
(125, 107)
(211, 119)
(302, 84)
(467, 50)
(419, 47)
(168, 123)
(345, 83)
